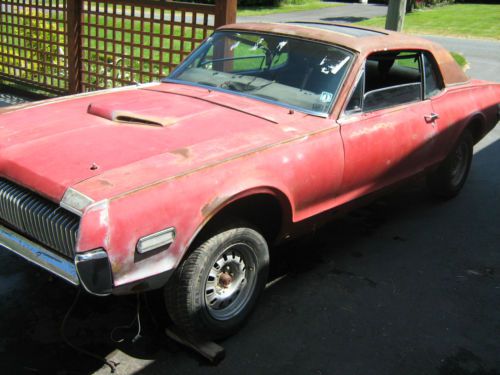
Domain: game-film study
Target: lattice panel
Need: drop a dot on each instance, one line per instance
(33, 44)
(125, 42)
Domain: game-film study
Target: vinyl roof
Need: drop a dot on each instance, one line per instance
(362, 40)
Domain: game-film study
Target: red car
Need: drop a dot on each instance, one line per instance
(185, 184)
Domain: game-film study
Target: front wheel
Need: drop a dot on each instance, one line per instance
(214, 290)
(449, 178)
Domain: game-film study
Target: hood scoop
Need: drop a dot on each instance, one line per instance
(129, 117)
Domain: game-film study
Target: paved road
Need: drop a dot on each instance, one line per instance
(482, 55)
(407, 285)
(7, 99)
(346, 13)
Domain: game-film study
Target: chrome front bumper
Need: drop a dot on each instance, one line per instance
(38, 255)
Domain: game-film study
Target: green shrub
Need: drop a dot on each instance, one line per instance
(431, 3)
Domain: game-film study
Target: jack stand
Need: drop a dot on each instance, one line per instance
(208, 349)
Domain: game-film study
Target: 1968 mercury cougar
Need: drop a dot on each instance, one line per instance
(184, 184)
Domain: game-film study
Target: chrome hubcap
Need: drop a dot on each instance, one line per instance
(230, 282)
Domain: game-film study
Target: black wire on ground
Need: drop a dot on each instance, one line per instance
(137, 319)
(150, 311)
(112, 365)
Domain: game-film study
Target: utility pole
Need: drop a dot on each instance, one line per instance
(395, 15)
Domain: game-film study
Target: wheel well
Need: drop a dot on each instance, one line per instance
(476, 127)
(265, 212)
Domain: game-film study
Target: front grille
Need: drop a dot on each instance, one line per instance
(39, 218)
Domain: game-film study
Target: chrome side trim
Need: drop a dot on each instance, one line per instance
(38, 255)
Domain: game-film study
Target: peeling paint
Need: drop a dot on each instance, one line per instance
(183, 152)
(369, 129)
(209, 208)
(232, 146)
(104, 182)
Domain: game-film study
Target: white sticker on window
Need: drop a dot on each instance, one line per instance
(257, 45)
(326, 97)
(332, 69)
(235, 45)
(282, 44)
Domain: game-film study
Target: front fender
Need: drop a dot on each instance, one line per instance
(304, 175)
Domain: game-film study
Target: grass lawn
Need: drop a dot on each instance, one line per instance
(462, 20)
(284, 8)
(460, 59)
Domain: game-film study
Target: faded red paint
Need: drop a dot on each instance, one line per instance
(214, 148)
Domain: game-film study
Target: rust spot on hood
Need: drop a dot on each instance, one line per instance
(104, 182)
(183, 152)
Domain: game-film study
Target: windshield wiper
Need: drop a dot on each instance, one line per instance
(244, 87)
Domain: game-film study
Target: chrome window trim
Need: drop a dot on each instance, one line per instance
(396, 104)
(344, 113)
(394, 87)
(427, 56)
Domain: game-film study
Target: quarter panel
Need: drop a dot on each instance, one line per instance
(457, 106)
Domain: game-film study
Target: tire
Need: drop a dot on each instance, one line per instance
(448, 179)
(216, 287)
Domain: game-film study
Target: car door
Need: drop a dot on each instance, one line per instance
(387, 127)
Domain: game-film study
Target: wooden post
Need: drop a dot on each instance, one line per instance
(225, 12)
(74, 28)
(395, 15)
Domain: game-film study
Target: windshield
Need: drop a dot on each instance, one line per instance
(290, 72)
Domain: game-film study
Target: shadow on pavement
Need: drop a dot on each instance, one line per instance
(344, 19)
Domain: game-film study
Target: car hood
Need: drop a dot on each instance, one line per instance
(109, 143)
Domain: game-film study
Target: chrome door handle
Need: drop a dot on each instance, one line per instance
(431, 117)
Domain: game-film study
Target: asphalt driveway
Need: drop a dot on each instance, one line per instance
(407, 285)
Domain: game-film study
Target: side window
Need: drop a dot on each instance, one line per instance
(390, 79)
(356, 101)
(433, 81)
